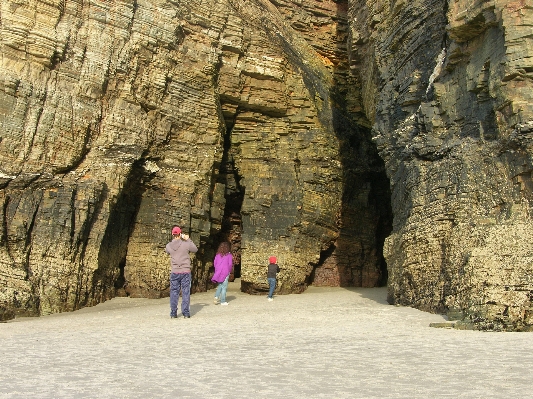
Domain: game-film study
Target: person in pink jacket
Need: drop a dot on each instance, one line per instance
(223, 264)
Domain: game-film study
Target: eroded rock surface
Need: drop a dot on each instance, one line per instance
(120, 120)
(453, 120)
(290, 128)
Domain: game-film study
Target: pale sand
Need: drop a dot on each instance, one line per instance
(324, 343)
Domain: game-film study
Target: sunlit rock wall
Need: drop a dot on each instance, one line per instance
(118, 120)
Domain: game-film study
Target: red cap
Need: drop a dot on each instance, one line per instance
(272, 259)
(176, 231)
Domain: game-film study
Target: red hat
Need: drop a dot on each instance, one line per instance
(272, 259)
(176, 231)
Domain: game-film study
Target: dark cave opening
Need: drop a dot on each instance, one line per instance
(231, 231)
(121, 280)
(380, 196)
(366, 213)
(365, 219)
(231, 224)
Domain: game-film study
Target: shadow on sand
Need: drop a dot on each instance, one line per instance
(378, 294)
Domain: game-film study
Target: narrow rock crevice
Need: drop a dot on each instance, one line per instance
(4, 239)
(231, 223)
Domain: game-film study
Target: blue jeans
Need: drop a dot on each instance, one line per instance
(180, 282)
(221, 290)
(272, 286)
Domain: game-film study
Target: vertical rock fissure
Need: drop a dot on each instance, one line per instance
(4, 239)
(380, 195)
(365, 216)
(231, 227)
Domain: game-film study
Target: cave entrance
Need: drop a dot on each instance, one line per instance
(365, 216)
(231, 231)
(231, 225)
(356, 258)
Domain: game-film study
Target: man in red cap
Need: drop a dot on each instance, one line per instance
(273, 270)
(180, 275)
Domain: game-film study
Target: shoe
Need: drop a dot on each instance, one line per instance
(270, 299)
(174, 316)
(187, 316)
(216, 301)
(224, 304)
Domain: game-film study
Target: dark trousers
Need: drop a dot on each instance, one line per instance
(180, 282)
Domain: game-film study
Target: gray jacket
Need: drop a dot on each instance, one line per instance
(178, 249)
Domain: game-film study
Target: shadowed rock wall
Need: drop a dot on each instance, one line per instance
(450, 87)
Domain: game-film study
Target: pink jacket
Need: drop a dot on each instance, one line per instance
(223, 266)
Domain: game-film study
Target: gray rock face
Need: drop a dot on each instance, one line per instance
(308, 130)
(451, 88)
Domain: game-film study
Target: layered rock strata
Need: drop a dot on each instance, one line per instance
(450, 85)
(310, 130)
(120, 120)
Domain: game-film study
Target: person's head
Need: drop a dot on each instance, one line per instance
(223, 248)
(272, 259)
(176, 231)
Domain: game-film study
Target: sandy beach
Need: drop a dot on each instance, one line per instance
(324, 343)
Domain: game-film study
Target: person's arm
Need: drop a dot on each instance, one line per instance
(192, 246)
(230, 263)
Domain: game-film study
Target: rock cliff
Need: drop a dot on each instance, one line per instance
(333, 134)
(449, 86)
